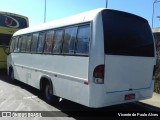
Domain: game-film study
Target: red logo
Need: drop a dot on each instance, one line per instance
(8, 21)
(11, 22)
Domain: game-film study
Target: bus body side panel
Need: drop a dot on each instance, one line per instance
(67, 73)
(96, 58)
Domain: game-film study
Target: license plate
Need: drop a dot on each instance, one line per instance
(129, 97)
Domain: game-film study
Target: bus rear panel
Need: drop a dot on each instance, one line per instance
(126, 70)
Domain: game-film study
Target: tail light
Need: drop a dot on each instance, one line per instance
(154, 72)
(98, 74)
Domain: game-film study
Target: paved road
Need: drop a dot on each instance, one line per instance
(21, 97)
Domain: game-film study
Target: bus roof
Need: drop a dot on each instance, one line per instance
(75, 19)
(156, 30)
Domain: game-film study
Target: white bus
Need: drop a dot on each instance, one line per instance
(97, 58)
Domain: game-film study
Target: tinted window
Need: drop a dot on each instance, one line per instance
(16, 44)
(34, 42)
(69, 40)
(12, 44)
(41, 42)
(49, 41)
(126, 34)
(58, 41)
(23, 43)
(83, 40)
(19, 44)
(28, 44)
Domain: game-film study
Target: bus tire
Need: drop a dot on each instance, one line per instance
(48, 94)
(11, 75)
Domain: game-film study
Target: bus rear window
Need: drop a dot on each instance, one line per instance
(126, 34)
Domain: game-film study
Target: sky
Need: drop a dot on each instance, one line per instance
(56, 9)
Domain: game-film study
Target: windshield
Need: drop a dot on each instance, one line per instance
(126, 34)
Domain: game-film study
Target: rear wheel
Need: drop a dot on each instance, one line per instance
(48, 94)
(11, 75)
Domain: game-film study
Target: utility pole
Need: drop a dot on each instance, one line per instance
(156, 1)
(106, 3)
(45, 11)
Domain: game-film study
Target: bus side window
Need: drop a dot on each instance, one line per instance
(41, 42)
(34, 42)
(49, 41)
(16, 44)
(83, 40)
(13, 40)
(69, 40)
(58, 42)
(28, 44)
(23, 44)
(19, 44)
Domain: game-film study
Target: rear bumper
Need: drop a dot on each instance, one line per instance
(107, 99)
